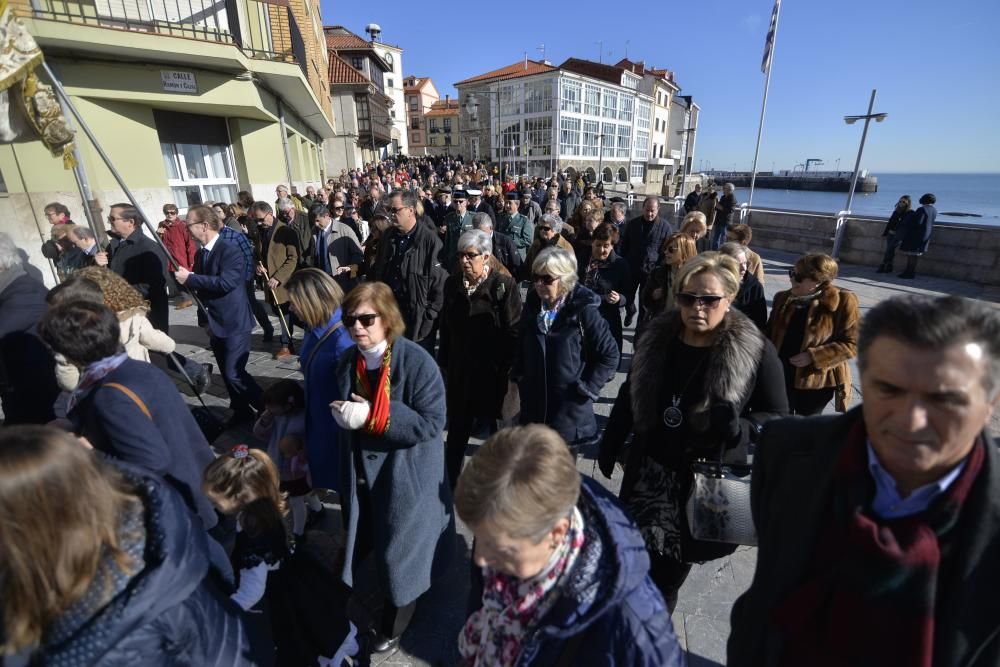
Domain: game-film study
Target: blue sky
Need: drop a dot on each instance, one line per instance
(936, 66)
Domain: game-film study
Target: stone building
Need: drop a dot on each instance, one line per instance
(419, 94)
(443, 128)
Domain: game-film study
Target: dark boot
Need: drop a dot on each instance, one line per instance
(884, 268)
(911, 267)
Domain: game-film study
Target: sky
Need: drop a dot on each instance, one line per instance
(936, 66)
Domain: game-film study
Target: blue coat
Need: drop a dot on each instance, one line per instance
(169, 443)
(220, 283)
(320, 371)
(172, 612)
(27, 370)
(915, 231)
(561, 375)
(412, 520)
(608, 597)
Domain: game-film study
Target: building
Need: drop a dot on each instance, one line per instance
(533, 118)
(420, 95)
(393, 55)
(357, 75)
(442, 126)
(188, 101)
(683, 133)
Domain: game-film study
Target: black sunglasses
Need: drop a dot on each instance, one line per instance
(545, 229)
(797, 277)
(545, 280)
(469, 255)
(367, 319)
(707, 301)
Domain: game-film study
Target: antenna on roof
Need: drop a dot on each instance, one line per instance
(541, 47)
(600, 51)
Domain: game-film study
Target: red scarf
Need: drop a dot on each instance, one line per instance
(378, 416)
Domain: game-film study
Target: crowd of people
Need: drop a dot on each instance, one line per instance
(436, 302)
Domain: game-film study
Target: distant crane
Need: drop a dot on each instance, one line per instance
(811, 161)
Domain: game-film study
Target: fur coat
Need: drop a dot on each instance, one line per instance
(831, 339)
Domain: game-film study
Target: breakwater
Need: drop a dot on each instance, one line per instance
(834, 183)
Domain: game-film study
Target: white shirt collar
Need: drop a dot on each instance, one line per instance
(211, 244)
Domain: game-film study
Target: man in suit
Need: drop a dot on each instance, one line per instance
(478, 205)
(879, 529)
(640, 246)
(336, 250)
(456, 223)
(279, 248)
(504, 248)
(219, 280)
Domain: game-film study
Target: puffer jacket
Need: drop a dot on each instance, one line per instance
(172, 612)
(608, 598)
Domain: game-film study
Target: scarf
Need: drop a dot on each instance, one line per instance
(378, 417)
(547, 317)
(93, 374)
(870, 596)
(593, 271)
(471, 288)
(511, 607)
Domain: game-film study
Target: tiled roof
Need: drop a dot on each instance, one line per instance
(609, 73)
(418, 83)
(443, 108)
(343, 40)
(640, 69)
(514, 71)
(342, 72)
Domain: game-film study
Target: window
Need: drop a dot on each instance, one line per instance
(413, 103)
(357, 62)
(625, 113)
(624, 140)
(447, 140)
(446, 123)
(197, 157)
(610, 104)
(630, 81)
(393, 113)
(538, 97)
(570, 101)
(622, 175)
(608, 140)
(510, 105)
(538, 135)
(642, 110)
(414, 122)
(434, 141)
(591, 100)
(591, 130)
(389, 84)
(641, 145)
(639, 171)
(432, 126)
(569, 136)
(510, 137)
(606, 175)
(416, 137)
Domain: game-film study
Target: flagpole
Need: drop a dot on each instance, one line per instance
(763, 105)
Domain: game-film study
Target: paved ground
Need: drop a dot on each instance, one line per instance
(702, 616)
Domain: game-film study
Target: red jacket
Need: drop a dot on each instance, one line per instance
(178, 240)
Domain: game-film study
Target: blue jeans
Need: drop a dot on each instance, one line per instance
(718, 234)
(891, 243)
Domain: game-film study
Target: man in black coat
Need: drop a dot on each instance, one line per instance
(218, 279)
(504, 248)
(478, 205)
(879, 530)
(693, 199)
(139, 260)
(27, 370)
(640, 246)
(750, 300)
(408, 261)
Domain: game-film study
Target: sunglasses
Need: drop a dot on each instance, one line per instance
(797, 277)
(366, 319)
(706, 301)
(469, 255)
(545, 280)
(171, 212)
(545, 229)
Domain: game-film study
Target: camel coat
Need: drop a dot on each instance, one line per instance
(830, 338)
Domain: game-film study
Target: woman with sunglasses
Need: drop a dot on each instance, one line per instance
(814, 326)
(548, 234)
(566, 353)
(658, 294)
(479, 328)
(703, 380)
(396, 500)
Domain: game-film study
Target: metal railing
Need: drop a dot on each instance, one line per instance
(262, 29)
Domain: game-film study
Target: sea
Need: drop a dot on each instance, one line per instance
(975, 196)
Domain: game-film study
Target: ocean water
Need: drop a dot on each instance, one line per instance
(956, 193)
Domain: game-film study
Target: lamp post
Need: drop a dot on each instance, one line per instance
(684, 164)
(842, 217)
(600, 159)
(470, 104)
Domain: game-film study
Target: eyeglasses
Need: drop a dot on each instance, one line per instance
(797, 277)
(366, 319)
(260, 219)
(706, 301)
(338, 208)
(469, 255)
(545, 229)
(395, 211)
(171, 213)
(545, 280)
(672, 249)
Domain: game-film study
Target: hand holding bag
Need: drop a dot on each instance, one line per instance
(718, 509)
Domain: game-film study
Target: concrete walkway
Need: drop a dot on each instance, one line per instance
(702, 616)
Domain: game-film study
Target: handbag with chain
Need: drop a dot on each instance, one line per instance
(718, 509)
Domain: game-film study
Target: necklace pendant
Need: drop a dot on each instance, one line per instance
(672, 416)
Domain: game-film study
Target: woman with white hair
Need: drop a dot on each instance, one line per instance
(566, 354)
(479, 329)
(548, 234)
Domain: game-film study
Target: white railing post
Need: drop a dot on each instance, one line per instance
(744, 210)
(838, 233)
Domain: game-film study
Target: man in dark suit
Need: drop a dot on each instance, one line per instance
(640, 246)
(478, 205)
(218, 280)
(879, 529)
(504, 248)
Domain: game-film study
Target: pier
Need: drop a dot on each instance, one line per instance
(825, 181)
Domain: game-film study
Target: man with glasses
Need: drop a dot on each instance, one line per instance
(279, 249)
(408, 260)
(57, 214)
(219, 279)
(456, 223)
(178, 242)
(336, 250)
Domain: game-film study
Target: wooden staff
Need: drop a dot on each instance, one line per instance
(281, 315)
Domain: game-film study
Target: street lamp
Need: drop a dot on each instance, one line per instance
(600, 159)
(842, 217)
(471, 104)
(684, 165)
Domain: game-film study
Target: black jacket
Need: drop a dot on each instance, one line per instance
(484, 207)
(641, 242)
(421, 290)
(790, 493)
(615, 277)
(141, 262)
(172, 612)
(27, 370)
(691, 202)
(561, 374)
(750, 300)
(505, 251)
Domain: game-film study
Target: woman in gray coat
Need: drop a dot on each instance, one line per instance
(396, 498)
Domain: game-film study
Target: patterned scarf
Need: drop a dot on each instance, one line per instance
(511, 607)
(874, 581)
(470, 288)
(93, 374)
(378, 416)
(593, 271)
(547, 317)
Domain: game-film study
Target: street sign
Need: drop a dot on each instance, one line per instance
(178, 82)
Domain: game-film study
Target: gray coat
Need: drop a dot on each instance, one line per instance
(413, 523)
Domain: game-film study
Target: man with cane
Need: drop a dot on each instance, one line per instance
(279, 249)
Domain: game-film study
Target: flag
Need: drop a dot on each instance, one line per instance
(765, 64)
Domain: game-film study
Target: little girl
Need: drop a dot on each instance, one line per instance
(305, 598)
(283, 426)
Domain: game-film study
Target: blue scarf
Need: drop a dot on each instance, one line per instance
(93, 374)
(547, 317)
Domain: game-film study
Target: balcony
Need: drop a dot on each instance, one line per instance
(260, 29)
